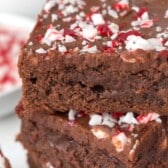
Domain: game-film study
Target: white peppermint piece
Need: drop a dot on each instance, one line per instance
(95, 119)
(114, 27)
(166, 14)
(108, 117)
(54, 17)
(50, 4)
(72, 114)
(146, 24)
(52, 35)
(91, 50)
(144, 119)
(145, 16)
(30, 43)
(108, 123)
(135, 8)
(69, 39)
(41, 51)
(113, 13)
(97, 19)
(89, 32)
(62, 48)
(49, 165)
(136, 42)
(128, 119)
(156, 43)
(158, 29)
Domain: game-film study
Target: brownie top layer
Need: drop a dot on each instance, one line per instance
(96, 26)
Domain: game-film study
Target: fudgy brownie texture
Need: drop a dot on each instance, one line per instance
(51, 139)
(98, 56)
(4, 163)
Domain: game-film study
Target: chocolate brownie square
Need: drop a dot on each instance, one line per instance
(97, 56)
(53, 140)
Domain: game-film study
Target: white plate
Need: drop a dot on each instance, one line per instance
(9, 98)
(9, 129)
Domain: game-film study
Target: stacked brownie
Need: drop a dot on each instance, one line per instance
(4, 163)
(95, 85)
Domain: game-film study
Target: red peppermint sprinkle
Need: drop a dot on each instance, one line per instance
(123, 36)
(104, 30)
(115, 44)
(147, 24)
(69, 32)
(146, 118)
(141, 12)
(120, 6)
(107, 49)
(164, 53)
(38, 25)
(117, 115)
(89, 16)
(81, 114)
(164, 41)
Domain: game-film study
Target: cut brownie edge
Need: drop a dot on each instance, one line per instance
(78, 83)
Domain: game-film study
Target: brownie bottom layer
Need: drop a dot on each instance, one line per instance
(52, 142)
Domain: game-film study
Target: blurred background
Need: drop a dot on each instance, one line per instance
(28, 8)
(17, 18)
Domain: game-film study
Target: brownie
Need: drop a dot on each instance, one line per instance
(36, 163)
(54, 140)
(4, 163)
(97, 56)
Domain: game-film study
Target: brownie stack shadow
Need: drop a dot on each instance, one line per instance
(95, 85)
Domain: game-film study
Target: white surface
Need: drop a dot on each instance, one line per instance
(9, 99)
(29, 8)
(9, 128)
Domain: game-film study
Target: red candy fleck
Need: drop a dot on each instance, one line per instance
(38, 37)
(120, 6)
(104, 30)
(141, 12)
(115, 44)
(117, 115)
(69, 32)
(164, 53)
(107, 49)
(147, 24)
(123, 36)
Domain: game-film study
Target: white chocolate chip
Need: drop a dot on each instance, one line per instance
(119, 141)
(100, 134)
